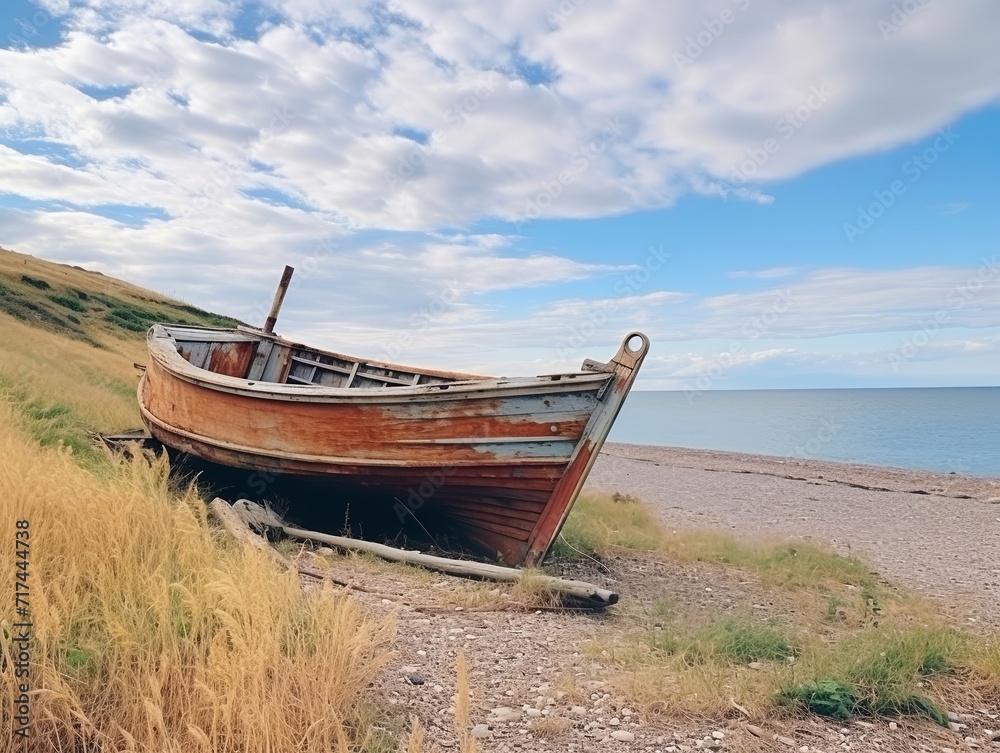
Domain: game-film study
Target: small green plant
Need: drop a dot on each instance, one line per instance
(662, 608)
(935, 663)
(624, 499)
(882, 668)
(833, 611)
(873, 607)
(80, 661)
(825, 697)
(126, 318)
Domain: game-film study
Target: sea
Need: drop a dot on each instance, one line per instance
(946, 429)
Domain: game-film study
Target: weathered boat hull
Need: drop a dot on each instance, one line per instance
(502, 459)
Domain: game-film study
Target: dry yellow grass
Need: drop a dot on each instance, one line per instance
(152, 632)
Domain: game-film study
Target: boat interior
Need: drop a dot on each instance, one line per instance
(251, 354)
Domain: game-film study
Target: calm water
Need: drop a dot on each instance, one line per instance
(939, 429)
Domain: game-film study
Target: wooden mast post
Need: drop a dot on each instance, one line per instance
(279, 297)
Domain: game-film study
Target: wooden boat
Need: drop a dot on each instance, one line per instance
(503, 459)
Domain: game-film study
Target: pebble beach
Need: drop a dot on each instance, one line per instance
(938, 534)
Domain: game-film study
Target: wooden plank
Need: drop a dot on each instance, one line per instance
(277, 363)
(321, 365)
(231, 359)
(354, 372)
(236, 526)
(279, 296)
(201, 335)
(511, 526)
(579, 589)
(488, 511)
(384, 378)
(256, 370)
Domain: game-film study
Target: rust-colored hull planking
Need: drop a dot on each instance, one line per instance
(503, 458)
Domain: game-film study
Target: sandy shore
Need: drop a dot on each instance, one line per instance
(938, 534)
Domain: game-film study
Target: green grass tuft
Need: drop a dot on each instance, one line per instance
(55, 424)
(80, 661)
(728, 641)
(35, 282)
(745, 642)
(72, 304)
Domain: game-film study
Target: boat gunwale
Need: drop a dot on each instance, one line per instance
(162, 347)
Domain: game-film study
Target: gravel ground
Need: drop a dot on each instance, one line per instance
(936, 533)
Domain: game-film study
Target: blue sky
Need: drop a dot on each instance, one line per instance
(779, 194)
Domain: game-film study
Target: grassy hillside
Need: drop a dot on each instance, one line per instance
(69, 339)
(85, 305)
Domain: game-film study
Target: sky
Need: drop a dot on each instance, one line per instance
(779, 193)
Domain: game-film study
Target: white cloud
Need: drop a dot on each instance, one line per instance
(765, 274)
(836, 301)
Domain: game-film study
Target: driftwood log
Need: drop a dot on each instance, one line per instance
(253, 515)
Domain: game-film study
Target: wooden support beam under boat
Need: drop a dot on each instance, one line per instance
(255, 515)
